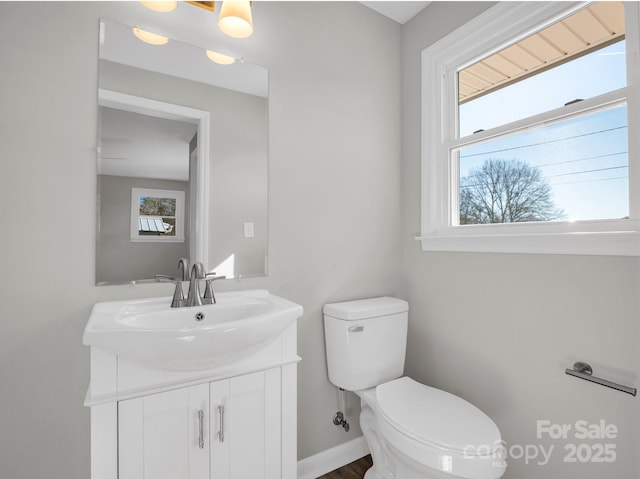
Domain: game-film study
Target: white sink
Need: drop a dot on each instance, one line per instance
(151, 333)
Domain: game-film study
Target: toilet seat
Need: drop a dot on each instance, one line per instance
(439, 430)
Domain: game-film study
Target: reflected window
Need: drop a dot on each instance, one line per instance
(157, 215)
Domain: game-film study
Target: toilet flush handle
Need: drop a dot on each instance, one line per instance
(356, 329)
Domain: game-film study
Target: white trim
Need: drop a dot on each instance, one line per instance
(200, 230)
(613, 243)
(146, 106)
(589, 106)
(632, 21)
(330, 459)
(483, 35)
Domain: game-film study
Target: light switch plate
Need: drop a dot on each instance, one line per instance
(248, 230)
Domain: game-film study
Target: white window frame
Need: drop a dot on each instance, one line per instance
(489, 32)
(136, 194)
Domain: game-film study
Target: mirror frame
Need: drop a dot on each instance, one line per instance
(145, 106)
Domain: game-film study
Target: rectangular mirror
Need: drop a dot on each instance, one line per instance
(182, 160)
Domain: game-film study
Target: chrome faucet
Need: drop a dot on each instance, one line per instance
(197, 273)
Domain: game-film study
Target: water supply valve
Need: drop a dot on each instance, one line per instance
(339, 420)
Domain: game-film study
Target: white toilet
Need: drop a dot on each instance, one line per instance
(412, 430)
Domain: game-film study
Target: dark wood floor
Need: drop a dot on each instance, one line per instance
(355, 470)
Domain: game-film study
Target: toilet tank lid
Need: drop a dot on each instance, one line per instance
(366, 308)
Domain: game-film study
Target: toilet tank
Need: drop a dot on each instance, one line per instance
(366, 341)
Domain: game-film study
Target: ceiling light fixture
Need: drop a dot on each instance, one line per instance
(161, 6)
(220, 58)
(150, 38)
(235, 19)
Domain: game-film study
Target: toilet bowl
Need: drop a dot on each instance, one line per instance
(430, 433)
(412, 430)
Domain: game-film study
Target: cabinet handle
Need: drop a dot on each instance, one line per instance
(201, 429)
(221, 431)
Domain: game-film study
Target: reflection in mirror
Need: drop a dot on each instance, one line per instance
(143, 164)
(173, 124)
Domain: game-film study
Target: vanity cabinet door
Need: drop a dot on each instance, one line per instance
(246, 426)
(164, 436)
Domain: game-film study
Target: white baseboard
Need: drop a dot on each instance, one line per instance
(326, 461)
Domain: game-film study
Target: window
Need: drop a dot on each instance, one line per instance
(157, 215)
(526, 113)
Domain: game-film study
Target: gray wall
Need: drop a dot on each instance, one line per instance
(118, 259)
(500, 329)
(334, 203)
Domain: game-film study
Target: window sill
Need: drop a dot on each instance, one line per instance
(157, 239)
(613, 238)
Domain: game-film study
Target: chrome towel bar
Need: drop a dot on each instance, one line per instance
(583, 371)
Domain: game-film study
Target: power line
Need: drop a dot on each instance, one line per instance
(581, 159)
(590, 181)
(586, 158)
(586, 171)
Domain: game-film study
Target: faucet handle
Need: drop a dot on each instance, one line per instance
(209, 297)
(178, 296)
(209, 277)
(165, 278)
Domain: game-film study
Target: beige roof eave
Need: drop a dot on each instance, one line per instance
(586, 30)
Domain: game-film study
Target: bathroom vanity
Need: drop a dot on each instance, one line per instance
(207, 412)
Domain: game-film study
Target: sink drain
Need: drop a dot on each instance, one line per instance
(199, 316)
